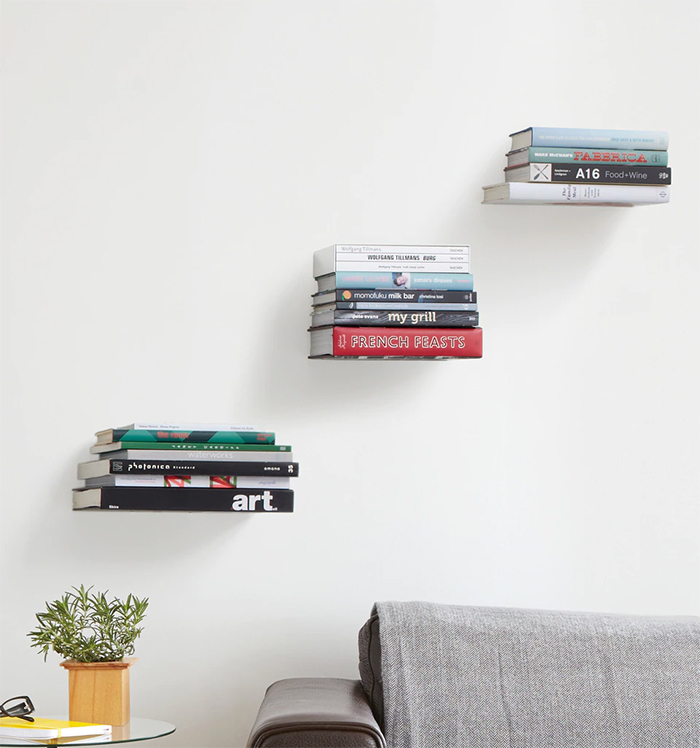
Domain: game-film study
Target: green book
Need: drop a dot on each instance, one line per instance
(202, 436)
(188, 446)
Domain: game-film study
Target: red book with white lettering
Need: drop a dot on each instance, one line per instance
(392, 342)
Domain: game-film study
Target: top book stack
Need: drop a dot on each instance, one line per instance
(394, 302)
(561, 166)
(187, 467)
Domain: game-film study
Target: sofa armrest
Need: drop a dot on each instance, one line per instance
(315, 713)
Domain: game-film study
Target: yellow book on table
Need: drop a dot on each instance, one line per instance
(49, 729)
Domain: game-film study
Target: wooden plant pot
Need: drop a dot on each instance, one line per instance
(99, 691)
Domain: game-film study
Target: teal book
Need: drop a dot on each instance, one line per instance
(539, 154)
(577, 137)
(185, 435)
(186, 446)
(412, 280)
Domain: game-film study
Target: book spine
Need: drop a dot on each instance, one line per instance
(600, 194)
(199, 437)
(453, 297)
(188, 426)
(591, 155)
(611, 174)
(406, 319)
(189, 481)
(394, 305)
(652, 140)
(415, 281)
(202, 467)
(283, 455)
(369, 341)
(391, 266)
(186, 446)
(340, 257)
(184, 499)
(430, 249)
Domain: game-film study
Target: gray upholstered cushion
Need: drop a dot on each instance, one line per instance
(506, 678)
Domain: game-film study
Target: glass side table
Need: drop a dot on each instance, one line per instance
(136, 729)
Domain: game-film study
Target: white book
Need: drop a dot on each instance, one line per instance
(355, 249)
(189, 481)
(422, 258)
(180, 426)
(45, 729)
(552, 193)
(40, 742)
(284, 455)
(401, 267)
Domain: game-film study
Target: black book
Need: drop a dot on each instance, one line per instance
(589, 173)
(400, 318)
(389, 295)
(98, 468)
(185, 499)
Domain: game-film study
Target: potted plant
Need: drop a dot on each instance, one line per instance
(95, 635)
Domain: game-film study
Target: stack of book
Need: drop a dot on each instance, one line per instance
(394, 302)
(187, 467)
(43, 731)
(564, 166)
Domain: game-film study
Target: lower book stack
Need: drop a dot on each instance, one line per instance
(163, 469)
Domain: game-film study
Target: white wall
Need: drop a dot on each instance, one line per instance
(169, 169)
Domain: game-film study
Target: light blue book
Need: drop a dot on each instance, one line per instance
(570, 137)
(411, 306)
(420, 281)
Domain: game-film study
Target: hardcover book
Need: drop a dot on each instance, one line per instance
(369, 342)
(392, 306)
(399, 318)
(383, 257)
(207, 453)
(185, 499)
(589, 156)
(393, 296)
(184, 426)
(184, 435)
(97, 468)
(186, 447)
(42, 729)
(532, 193)
(572, 137)
(585, 173)
(415, 281)
(404, 266)
(181, 480)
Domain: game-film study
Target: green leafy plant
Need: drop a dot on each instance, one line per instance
(89, 627)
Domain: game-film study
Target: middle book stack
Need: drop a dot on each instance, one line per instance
(394, 301)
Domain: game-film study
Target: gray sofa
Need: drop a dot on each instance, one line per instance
(438, 676)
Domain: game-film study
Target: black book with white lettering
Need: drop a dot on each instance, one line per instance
(98, 468)
(401, 318)
(185, 499)
(387, 295)
(590, 174)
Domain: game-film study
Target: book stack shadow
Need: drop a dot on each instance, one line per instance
(187, 467)
(571, 166)
(394, 302)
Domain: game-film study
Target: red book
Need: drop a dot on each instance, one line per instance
(394, 342)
